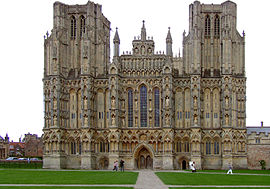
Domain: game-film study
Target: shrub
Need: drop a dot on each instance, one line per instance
(262, 163)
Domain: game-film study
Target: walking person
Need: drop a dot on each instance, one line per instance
(115, 165)
(230, 169)
(122, 165)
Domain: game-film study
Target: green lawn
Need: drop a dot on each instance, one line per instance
(60, 187)
(213, 187)
(237, 171)
(17, 176)
(173, 178)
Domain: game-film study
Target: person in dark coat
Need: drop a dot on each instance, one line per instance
(122, 165)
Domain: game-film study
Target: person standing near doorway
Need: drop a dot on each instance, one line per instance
(122, 162)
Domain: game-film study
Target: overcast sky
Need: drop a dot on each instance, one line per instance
(24, 23)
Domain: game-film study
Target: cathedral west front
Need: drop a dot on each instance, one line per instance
(151, 109)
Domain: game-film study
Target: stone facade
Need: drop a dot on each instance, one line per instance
(258, 146)
(4, 147)
(33, 145)
(148, 108)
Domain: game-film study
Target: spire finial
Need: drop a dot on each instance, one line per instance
(169, 37)
(116, 38)
(143, 32)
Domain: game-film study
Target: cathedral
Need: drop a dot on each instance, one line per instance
(148, 108)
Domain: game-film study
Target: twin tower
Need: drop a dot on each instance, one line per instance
(152, 110)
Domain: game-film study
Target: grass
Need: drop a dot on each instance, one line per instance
(237, 171)
(17, 176)
(173, 178)
(60, 187)
(213, 187)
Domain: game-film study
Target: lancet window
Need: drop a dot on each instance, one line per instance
(156, 101)
(143, 106)
(208, 147)
(130, 108)
(217, 26)
(73, 28)
(82, 26)
(216, 147)
(207, 26)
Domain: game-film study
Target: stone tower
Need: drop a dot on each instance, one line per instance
(76, 52)
(214, 59)
(148, 108)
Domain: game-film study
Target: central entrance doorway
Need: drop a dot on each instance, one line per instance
(144, 160)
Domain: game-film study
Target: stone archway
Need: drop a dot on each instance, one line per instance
(103, 163)
(184, 165)
(143, 157)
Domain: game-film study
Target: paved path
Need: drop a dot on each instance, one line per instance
(147, 179)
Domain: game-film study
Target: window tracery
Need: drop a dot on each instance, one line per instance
(217, 26)
(130, 108)
(73, 28)
(82, 26)
(143, 106)
(156, 101)
(207, 29)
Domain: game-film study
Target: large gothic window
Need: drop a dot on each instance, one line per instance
(217, 26)
(216, 147)
(73, 148)
(156, 101)
(82, 26)
(207, 26)
(143, 106)
(130, 108)
(208, 147)
(73, 28)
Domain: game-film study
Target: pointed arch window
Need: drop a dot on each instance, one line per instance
(208, 147)
(216, 147)
(130, 108)
(73, 27)
(217, 26)
(82, 26)
(157, 109)
(207, 26)
(143, 106)
(72, 147)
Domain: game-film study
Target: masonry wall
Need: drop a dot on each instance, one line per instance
(257, 152)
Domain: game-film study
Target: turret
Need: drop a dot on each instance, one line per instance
(143, 33)
(116, 42)
(169, 44)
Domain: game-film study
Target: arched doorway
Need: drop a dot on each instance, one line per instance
(103, 163)
(144, 160)
(184, 165)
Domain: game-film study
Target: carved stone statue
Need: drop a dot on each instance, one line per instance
(85, 103)
(167, 101)
(195, 120)
(113, 120)
(86, 121)
(85, 51)
(226, 101)
(167, 119)
(113, 102)
(54, 120)
(136, 104)
(54, 104)
(226, 120)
